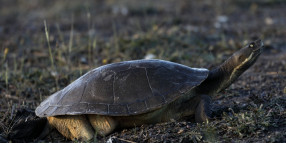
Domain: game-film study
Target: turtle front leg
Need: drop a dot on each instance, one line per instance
(203, 109)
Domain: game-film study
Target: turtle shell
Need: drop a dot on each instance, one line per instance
(124, 88)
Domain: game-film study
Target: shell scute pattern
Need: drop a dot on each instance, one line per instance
(125, 88)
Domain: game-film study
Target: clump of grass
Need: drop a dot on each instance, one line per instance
(249, 123)
(246, 124)
(208, 131)
(194, 136)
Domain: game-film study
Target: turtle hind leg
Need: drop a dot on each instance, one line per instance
(73, 127)
(203, 110)
(104, 125)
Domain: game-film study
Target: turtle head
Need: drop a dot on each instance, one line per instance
(224, 75)
(239, 62)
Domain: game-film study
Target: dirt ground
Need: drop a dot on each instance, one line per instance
(36, 61)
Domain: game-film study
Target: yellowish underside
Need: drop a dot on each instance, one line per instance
(83, 127)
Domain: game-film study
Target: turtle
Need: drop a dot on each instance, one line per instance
(132, 93)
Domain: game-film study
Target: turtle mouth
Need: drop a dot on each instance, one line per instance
(257, 52)
(254, 55)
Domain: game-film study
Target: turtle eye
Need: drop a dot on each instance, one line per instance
(251, 45)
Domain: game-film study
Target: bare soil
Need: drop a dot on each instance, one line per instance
(83, 35)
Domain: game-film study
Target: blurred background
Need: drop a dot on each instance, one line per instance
(45, 45)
